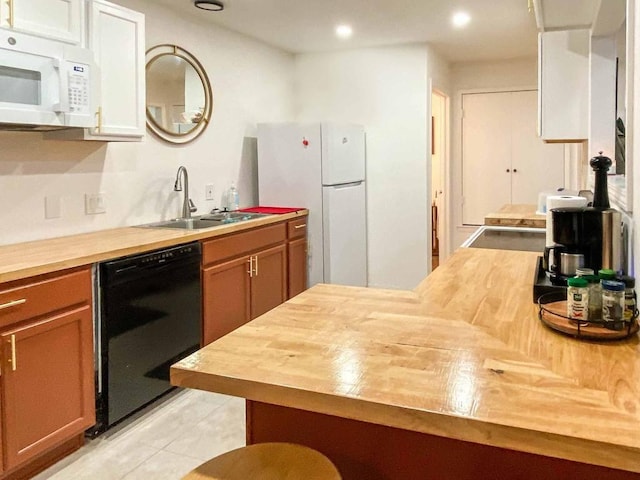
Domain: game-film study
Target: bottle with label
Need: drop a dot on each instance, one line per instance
(578, 299)
(613, 304)
(233, 198)
(629, 298)
(595, 297)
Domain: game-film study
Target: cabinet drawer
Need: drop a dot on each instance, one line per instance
(297, 228)
(241, 243)
(36, 296)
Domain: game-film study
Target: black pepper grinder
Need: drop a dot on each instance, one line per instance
(600, 165)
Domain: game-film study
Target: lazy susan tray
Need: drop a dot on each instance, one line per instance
(553, 310)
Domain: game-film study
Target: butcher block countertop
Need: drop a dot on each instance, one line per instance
(516, 215)
(464, 356)
(22, 260)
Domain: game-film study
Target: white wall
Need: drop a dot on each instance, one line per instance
(439, 71)
(507, 74)
(386, 90)
(251, 82)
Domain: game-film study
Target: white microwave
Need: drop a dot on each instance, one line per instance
(45, 84)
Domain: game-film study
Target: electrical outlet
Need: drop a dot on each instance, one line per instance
(208, 188)
(95, 203)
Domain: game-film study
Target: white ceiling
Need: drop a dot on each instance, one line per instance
(499, 29)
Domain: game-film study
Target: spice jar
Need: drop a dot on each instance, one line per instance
(578, 299)
(612, 304)
(595, 297)
(606, 274)
(629, 298)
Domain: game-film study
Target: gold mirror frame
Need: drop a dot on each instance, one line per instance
(153, 55)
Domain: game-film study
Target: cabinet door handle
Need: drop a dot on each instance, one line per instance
(99, 115)
(13, 353)
(515, 170)
(256, 271)
(250, 271)
(508, 170)
(11, 10)
(13, 303)
(300, 226)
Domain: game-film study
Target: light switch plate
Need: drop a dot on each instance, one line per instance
(208, 188)
(95, 203)
(52, 206)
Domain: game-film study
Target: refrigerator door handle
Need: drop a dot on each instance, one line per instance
(347, 185)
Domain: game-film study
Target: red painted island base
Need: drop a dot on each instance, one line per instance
(366, 451)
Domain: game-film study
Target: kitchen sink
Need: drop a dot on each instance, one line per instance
(508, 238)
(205, 221)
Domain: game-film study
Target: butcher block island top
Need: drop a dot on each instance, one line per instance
(22, 260)
(516, 215)
(464, 356)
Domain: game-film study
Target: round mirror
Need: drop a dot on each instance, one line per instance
(179, 97)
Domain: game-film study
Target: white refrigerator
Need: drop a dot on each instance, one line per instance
(320, 166)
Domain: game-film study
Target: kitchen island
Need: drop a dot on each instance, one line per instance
(455, 380)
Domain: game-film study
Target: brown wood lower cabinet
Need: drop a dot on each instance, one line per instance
(226, 298)
(245, 275)
(47, 380)
(48, 397)
(297, 255)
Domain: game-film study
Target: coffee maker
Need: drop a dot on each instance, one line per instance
(583, 237)
(588, 236)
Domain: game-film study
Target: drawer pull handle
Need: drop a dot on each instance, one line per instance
(13, 353)
(300, 226)
(13, 303)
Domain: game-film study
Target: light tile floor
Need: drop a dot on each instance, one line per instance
(162, 442)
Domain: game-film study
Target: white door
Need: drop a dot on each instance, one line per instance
(486, 155)
(343, 153)
(345, 234)
(503, 160)
(536, 166)
(439, 170)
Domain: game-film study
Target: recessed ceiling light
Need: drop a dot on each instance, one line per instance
(460, 19)
(212, 5)
(344, 31)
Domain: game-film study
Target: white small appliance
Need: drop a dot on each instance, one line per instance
(320, 166)
(45, 84)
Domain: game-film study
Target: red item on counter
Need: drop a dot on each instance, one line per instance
(271, 210)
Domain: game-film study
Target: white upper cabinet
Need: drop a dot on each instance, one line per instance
(563, 85)
(566, 14)
(56, 19)
(116, 38)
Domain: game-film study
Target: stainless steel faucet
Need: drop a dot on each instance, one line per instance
(187, 204)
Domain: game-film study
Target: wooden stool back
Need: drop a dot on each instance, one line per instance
(267, 461)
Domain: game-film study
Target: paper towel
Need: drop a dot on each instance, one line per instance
(542, 198)
(560, 201)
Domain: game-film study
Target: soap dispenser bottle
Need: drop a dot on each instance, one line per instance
(233, 198)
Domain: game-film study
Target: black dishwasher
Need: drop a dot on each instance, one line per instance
(149, 317)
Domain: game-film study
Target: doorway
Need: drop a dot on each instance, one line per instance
(439, 176)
